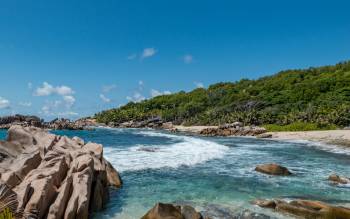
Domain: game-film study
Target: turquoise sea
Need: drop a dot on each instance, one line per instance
(215, 174)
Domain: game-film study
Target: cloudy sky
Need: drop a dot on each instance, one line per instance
(63, 58)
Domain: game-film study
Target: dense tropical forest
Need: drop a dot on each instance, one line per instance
(318, 97)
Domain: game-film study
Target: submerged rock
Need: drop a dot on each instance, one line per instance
(55, 176)
(336, 179)
(247, 214)
(306, 209)
(273, 169)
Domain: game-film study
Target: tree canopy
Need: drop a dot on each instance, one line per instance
(316, 95)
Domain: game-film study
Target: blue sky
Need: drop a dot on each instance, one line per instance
(74, 58)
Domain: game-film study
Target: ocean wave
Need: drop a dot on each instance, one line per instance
(189, 151)
(336, 149)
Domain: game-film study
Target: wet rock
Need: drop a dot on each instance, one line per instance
(164, 211)
(273, 169)
(336, 179)
(113, 175)
(148, 149)
(189, 212)
(310, 209)
(53, 176)
(247, 214)
(170, 211)
(264, 135)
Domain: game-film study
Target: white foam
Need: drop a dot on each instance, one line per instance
(336, 149)
(188, 151)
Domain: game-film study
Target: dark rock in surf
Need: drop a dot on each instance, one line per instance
(336, 179)
(273, 169)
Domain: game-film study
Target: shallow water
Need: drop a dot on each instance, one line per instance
(212, 172)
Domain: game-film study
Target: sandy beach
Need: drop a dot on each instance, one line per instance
(336, 137)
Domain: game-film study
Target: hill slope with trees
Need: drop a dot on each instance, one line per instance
(319, 97)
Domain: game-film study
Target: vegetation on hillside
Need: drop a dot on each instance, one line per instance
(320, 96)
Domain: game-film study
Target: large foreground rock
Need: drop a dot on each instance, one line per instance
(273, 169)
(306, 209)
(55, 176)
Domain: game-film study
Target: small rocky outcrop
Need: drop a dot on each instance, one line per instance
(273, 169)
(170, 211)
(306, 208)
(155, 123)
(56, 124)
(64, 124)
(7, 121)
(55, 176)
(234, 129)
(336, 179)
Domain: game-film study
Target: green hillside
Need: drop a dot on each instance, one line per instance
(318, 96)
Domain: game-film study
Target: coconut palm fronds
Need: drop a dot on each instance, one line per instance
(8, 202)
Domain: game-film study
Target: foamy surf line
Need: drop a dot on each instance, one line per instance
(336, 149)
(188, 152)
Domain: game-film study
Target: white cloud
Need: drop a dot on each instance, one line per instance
(25, 104)
(198, 84)
(108, 88)
(131, 57)
(148, 52)
(64, 90)
(30, 85)
(4, 103)
(68, 113)
(47, 90)
(137, 97)
(141, 83)
(105, 99)
(188, 59)
(69, 101)
(155, 93)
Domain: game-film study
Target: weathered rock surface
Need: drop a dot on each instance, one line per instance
(55, 176)
(336, 179)
(56, 124)
(170, 211)
(273, 169)
(306, 209)
(234, 129)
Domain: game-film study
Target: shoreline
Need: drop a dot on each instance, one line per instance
(330, 137)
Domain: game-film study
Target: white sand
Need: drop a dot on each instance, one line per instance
(337, 137)
(341, 137)
(192, 129)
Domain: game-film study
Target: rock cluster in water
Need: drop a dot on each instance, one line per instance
(55, 176)
(57, 124)
(155, 123)
(306, 209)
(171, 211)
(234, 129)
